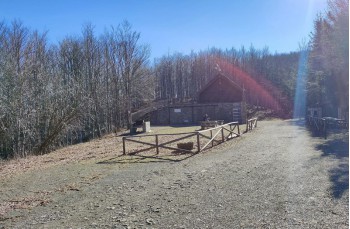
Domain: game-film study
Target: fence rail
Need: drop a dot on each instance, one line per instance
(201, 139)
(218, 134)
(156, 139)
(251, 124)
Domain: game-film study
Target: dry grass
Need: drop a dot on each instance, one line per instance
(38, 199)
(96, 149)
(99, 149)
(105, 148)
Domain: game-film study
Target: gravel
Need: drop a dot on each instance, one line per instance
(277, 176)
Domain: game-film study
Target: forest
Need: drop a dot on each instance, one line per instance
(53, 95)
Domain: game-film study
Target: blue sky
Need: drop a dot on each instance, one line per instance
(177, 26)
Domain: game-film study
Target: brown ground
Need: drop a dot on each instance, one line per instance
(106, 147)
(276, 176)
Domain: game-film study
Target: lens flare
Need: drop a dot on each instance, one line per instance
(300, 90)
(264, 91)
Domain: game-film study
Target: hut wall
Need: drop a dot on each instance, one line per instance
(181, 115)
(194, 113)
(160, 117)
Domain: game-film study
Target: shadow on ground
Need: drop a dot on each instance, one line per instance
(135, 159)
(299, 123)
(337, 146)
(340, 180)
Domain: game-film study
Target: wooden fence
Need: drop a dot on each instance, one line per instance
(217, 135)
(158, 144)
(201, 140)
(251, 124)
(322, 125)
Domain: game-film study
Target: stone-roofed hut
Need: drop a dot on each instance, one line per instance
(220, 89)
(220, 99)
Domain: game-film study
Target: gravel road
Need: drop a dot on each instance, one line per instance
(276, 176)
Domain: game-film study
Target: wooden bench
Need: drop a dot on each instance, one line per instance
(210, 124)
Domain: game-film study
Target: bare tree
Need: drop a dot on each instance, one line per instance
(132, 62)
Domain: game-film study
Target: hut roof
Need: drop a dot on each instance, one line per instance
(220, 89)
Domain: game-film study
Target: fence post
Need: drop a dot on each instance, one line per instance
(211, 136)
(124, 146)
(325, 128)
(157, 148)
(239, 132)
(222, 134)
(198, 143)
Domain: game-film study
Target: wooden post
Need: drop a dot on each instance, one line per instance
(222, 134)
(169, 116)
(211, 136)
(192, 115)
(325, 128)
(157, 148)
(124, 153)
(239, 133)
(198, 143)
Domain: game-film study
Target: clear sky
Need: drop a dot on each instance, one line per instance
(170, 26)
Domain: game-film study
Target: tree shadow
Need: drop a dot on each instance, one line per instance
(302, 124)
(340, 180)
(297, 122)
(337, 146)
(137, 159)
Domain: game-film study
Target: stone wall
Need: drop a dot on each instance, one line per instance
(160, 117)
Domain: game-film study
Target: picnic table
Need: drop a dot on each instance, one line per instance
(336, 122)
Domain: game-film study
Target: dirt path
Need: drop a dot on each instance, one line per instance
(277, 176)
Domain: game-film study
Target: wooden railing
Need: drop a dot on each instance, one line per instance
(317, 123)
(217, 135)
(322, 125)
(157, 141)
(198, 138)
(251, 124)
